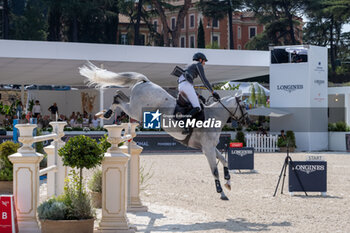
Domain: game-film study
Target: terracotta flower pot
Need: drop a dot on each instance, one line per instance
(96, 199)
(6, 187)
(67, 226)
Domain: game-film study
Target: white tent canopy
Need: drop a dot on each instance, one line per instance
(245, 87)
(56, 63)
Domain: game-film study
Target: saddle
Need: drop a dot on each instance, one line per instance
(184, 106)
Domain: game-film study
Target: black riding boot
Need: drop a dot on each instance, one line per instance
(190, 115)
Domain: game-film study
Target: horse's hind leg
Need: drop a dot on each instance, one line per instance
(118, 99)
(211, 157)
(227, 176)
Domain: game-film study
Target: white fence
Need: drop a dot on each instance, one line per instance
(262, 143)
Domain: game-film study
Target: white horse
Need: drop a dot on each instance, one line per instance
(145, 94)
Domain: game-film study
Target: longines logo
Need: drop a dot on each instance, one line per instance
(290, 88)
(242, 152)
(319, 68)
(319, 82)
(309, 168)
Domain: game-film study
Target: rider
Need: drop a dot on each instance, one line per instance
(185, 82)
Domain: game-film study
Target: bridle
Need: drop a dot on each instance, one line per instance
(238, 106)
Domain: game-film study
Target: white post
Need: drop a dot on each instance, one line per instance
(55, 180)
(26, 180)
(101, 104)
(135, 151)
(114, 185)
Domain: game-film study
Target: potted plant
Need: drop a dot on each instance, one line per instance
(70, 212)
(240, 138)
(79, 152)
(6, 168)
(288, 140)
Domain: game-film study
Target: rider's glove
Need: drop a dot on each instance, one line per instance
(216, 96)
(202, 99)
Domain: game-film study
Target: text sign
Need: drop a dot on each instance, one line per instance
(312, 174)
(241, 158)
(236, 144)
(8, 219)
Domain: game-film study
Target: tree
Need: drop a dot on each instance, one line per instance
(200, 36)
(218, 9)
(5, 19)
(55, 21)
(279, 17)
(214, 10)
(324, 28)
(81, 152)
(160, 7)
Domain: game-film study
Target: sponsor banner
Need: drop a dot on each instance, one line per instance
(312, 174)
(150, 142)
(167, 144)
(241, 158)
(8, 218)
(290, 88)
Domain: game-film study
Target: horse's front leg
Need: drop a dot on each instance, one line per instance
(211, 157)
(223, 161)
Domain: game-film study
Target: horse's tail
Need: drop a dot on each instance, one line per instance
(102, 78)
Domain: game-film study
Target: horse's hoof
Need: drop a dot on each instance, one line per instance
(108, 114)
(100, 114)
(224, 198)
(228, 186)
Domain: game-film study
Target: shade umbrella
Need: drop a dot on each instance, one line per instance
(271, 112)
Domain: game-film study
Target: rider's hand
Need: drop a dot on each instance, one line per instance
(202, 99)
(216, 96)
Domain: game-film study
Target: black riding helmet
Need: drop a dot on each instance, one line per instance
(198, 56)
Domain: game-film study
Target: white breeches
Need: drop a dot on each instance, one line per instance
(188, 89)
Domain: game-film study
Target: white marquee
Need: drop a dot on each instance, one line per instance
(56, 63)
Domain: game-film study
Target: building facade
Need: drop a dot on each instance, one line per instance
(245, 27)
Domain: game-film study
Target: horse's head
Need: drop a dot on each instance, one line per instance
(238, 110)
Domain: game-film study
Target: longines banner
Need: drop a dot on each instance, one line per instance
(312, 174)
(149, 142)
(241, 158)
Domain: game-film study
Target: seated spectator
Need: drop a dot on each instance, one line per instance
(95, 122)
(73, 121)
(46, 121)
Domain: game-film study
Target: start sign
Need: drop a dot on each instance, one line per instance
(8, 219)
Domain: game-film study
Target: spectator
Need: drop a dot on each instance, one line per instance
(296, 57)
(95, 122)
(46, 121)
(73, 121)
(36, 109)
(282, 135)
(19, 110)
(54, 110)
(39, 121)
(72, 116)
(62, 118)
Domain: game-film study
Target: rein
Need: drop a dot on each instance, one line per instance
(233, 114)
